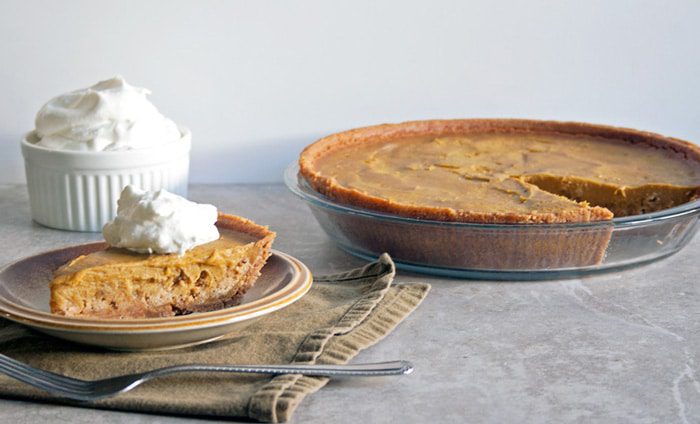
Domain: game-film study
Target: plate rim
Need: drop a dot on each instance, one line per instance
(290, 293)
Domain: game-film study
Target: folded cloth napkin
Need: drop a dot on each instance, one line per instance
(341, 315)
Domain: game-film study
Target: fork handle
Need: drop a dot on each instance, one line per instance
(373, 369)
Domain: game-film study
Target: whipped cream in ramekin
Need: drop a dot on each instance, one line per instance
(110, 115)
(160, 222)
(91, 143)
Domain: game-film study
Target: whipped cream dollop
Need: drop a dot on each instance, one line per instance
(110, 115)
(160, 222)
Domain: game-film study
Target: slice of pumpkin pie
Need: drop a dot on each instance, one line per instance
(165, 256)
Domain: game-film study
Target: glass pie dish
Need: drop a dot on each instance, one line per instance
(501, 251)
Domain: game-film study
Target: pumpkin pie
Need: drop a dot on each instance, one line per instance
(496, 171)
(504, 171)
(118, 283)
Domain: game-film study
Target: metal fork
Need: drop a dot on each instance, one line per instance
(89, 390)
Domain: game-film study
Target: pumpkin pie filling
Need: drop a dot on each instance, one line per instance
(508, 177)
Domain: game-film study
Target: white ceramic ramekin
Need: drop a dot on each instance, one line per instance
(78, 191)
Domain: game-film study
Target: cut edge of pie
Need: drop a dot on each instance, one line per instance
(555, 185)
(117, 284)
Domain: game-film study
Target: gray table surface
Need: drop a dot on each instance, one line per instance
(620, 347)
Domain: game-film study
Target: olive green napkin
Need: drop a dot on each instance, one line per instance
(341, 315)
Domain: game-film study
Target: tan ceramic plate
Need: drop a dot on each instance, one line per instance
(24, 298)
